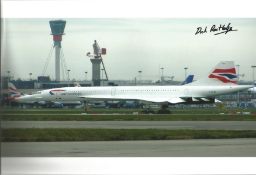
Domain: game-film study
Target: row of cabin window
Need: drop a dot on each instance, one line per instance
(79, 93)
(135, 90)
(174, 90)
(150, 90)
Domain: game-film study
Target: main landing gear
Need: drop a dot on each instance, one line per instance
(164, 109)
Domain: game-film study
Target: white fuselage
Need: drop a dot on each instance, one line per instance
(144, 93)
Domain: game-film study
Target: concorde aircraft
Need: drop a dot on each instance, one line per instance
(222, 80)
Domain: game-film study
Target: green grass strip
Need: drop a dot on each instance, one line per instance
(123, 111)
(151, 117)
(52, 135)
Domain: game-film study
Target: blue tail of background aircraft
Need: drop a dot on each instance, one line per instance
(188, 80)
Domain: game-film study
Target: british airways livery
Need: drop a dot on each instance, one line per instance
(224, 74)
(222, 80)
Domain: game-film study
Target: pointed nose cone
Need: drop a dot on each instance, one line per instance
(23, 99)
(18, 99)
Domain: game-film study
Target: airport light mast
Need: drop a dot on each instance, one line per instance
(253, 72)
(185, 68)
(162, 75)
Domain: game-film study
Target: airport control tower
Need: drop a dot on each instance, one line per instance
(96, 60)
(57, 28)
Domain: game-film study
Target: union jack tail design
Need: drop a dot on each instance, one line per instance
(12, 92)
(225, 71)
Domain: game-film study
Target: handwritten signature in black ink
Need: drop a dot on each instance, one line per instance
(216, 29)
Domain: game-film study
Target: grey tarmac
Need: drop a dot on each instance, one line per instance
(195, 125)
(155, 148)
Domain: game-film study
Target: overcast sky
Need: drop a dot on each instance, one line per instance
(132, 45)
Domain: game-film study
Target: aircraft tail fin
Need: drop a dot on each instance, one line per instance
(188, 80)
(12, 91)
(223, 73)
